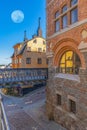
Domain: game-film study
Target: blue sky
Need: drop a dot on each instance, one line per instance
(12, 33)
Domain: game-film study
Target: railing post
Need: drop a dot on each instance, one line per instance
(4, 121)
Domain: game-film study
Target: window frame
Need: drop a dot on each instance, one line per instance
(66, 21)
(64, 8)
(56, 30)
(72, 106)
(69, 65)
(39, 61)
(47, 61)
(71, 4)
(35, 41)
(39, 49)
(28, 60)
(59, 99)
(56, 16)
(28, 49)
(71, 20)
(44, 43)
(64, 12)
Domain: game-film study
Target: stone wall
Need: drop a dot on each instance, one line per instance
(73, 88)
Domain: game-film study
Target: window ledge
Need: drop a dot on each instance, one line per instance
(68, 76)
(59, 108)
(72, 116)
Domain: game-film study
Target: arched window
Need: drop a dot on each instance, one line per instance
(64, 9)
(69, 63)
(57, 22)
(73, 2)
(74, 11)
(57, 14)
(64, 18)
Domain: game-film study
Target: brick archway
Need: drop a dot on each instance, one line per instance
(64, 46)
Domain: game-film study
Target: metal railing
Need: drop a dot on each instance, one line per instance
(23, 74)
(4, 121)
(67, 70)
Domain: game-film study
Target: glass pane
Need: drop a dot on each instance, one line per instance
(73, 2)
(63, 59)
(74, 15)
(57, 25)
(64, 8)
(70, 63)
(65, 22)
(69, 55)
(57, 14)
(62, 65)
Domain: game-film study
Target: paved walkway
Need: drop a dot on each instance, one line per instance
(29, 113)
(38, 113)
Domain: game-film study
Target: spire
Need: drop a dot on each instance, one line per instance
(39, 22)
(25, 37)
(39, 31)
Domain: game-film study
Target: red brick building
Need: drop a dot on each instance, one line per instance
(67, 53)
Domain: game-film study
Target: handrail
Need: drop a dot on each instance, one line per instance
(15, 75)
(4, 120)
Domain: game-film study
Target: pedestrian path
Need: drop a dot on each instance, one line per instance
(23, 114)
(38, 113)
(20, 120)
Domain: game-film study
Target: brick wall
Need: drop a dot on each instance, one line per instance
(74, 38)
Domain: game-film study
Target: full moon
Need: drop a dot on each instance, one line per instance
(17, 16)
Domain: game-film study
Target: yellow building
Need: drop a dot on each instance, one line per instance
(30, 53)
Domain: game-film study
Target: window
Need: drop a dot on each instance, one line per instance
(72, 106)
(28, 48)
(44, 50)
(70, 63)
(47, 61)
(58, 99)
(39, 49)
(28, 60)
(16, 51)
(39, 61)
(57, 14)
(19, 60)
(64, 17)
(44, 42)
(74, 15)
(57, 22)
(64, 9)
(15, 61)
(73, 2)
(74, 12)
(35, 41)
(65, 21)
(57, 25)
